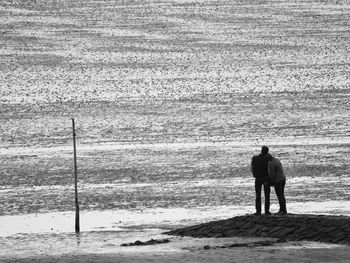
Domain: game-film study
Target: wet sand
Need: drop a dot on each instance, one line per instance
(246, 255)
(296, 227)
(107, 246)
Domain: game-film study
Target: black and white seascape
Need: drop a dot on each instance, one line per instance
(171, 99)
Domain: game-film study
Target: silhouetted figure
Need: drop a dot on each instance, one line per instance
(278, 180)
(259, 168)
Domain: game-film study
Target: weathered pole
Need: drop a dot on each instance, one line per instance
(77, 223)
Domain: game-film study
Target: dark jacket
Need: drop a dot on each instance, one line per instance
(259, 165)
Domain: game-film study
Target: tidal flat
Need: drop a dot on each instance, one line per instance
(171, 99)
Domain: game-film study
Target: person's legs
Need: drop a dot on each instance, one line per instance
(267, 198)
(283, 199)
(279, 189)
(258, 185)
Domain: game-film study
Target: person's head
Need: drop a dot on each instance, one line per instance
(264, 149)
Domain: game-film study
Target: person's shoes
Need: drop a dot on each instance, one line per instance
(281, 213)
(267, 213)
(257, 214)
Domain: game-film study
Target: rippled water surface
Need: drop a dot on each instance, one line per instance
(171, 99)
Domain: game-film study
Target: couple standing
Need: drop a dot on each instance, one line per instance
(268, 171)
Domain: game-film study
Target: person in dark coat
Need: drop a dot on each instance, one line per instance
(259, 169)
(278, 180)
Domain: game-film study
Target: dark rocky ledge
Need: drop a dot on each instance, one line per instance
(291, 227)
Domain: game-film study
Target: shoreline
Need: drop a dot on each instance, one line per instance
(103, 245)
(61, 222)
(193, 251)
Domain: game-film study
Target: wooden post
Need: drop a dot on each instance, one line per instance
(77, 223)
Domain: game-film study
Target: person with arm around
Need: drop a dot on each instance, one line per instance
(277, 178)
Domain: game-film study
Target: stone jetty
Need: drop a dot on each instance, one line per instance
(290, 227)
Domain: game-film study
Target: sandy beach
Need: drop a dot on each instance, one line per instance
(241, 255)
(290, 252)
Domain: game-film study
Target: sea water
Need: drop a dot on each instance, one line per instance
(171, 99)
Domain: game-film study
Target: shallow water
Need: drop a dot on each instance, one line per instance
(149, 176)
(104, 231)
